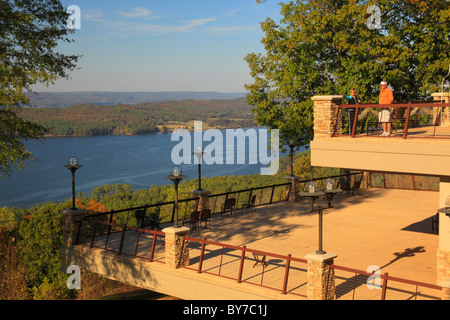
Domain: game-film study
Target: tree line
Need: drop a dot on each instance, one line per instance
(92, 120)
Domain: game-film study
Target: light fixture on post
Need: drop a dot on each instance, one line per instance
(73, 165)
(330, 190)
(176, 175)
(312, 193)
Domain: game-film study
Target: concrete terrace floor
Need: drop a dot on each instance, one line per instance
(384, 227)
(388, 228)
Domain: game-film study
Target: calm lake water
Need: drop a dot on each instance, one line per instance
(142, 161)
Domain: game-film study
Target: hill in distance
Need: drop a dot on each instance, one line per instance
(65, 99)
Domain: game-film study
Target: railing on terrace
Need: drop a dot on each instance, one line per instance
(165, 211)
(409, 120)
(283, 273)
(403, 181)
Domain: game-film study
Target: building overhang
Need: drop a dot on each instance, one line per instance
(415, 156)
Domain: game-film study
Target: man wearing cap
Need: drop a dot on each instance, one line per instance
(386, 97)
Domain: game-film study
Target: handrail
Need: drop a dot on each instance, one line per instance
(281, 283)
(396, 105)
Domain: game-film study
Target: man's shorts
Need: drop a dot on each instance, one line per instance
(384, 115)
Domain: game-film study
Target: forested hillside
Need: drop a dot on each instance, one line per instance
(91, 119)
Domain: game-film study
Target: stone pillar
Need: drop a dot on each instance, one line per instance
(293, 196)
(320, 276)
(445, 112)
(445, 284)
(443, 253)
(177, 250)
(325, 119)
(203, 202)
(72, 226)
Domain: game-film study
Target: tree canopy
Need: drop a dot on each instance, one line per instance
(30, 31)
(328, 47)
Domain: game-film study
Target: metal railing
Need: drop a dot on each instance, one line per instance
(165, 211)
(265, 195)
(403, 181)
(283, 273)
(405, 119)
(246, 265)
(361, 285)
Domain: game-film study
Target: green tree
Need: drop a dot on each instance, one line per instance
(326, 47)
(30, 31)
(40, 239)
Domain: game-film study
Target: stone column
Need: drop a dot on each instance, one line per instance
(443, 252)
(203, 202)
(320, 276)
(293, 196)
(325, 116)
(445, 112)
(177, 250)
(445, 289)
(72, 226)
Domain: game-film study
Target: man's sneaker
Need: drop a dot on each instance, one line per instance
(387, 134)
(384, 134)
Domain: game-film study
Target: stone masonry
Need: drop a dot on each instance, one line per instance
(72, 227)
(177, 250)
(320, 276)
(325, 111)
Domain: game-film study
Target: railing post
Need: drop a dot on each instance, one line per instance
(383, 290)
(200, 264)
(153, 246)
(286, 274)
(408, 112)
(271, 195)
(241, 265)
(122, 238)
(354, 121)
(93, 234)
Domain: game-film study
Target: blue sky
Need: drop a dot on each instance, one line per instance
(165, 45)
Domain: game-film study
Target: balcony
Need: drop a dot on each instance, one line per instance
(360, 229)
(419, 143)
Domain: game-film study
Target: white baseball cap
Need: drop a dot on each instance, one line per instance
(383, 82)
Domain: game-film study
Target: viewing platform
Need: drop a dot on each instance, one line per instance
(391, 229)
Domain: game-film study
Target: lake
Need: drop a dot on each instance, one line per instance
(140, 160)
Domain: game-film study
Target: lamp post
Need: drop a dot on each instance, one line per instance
(73, 165)
(199, 153)
(312, 194)
(176, 175)
(291, 154)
